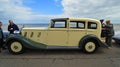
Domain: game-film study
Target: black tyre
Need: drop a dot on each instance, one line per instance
(89, 46)
(15, 47)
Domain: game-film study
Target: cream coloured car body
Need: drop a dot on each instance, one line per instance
(69, 37)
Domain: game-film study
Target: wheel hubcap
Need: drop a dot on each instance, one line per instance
(90, 46)
(16, 47)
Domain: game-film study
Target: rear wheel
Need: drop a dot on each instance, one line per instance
(90, 46)
(15, 47)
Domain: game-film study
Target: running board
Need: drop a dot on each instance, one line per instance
(62, 47)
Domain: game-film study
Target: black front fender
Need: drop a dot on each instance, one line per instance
(25, 41)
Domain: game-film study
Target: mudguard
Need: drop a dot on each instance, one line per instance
(27, 43)
(100, 43)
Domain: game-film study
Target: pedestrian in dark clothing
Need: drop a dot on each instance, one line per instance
(103, 34)
(12, 27)
(109, 32)
(1, 37)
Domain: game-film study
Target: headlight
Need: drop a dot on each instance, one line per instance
(16, 31)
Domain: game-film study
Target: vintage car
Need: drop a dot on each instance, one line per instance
(116, 38)
(62, 33)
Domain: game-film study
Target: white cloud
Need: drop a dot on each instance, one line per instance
(92, 8)
(14, 9)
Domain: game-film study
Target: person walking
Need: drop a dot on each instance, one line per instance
(109, 32)
(12, 27)
(1, 37)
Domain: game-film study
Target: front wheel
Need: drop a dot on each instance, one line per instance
(15, 47)
(90, 46)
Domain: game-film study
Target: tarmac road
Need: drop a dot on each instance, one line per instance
(62, 58)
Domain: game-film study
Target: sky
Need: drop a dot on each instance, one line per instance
(41, 11)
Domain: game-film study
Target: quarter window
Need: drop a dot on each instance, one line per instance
(92, 25)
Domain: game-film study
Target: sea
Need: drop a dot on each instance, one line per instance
(4, 26)
(117, 29)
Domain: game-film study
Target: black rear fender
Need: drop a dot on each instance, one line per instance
(94, 38)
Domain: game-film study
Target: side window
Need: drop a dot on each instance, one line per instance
(77, 24)
(92, 25)
(81, 25)
(58, 24)
(73, 24)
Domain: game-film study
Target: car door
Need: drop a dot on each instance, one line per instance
(93, 28)
(76, 31)
(57, 35)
